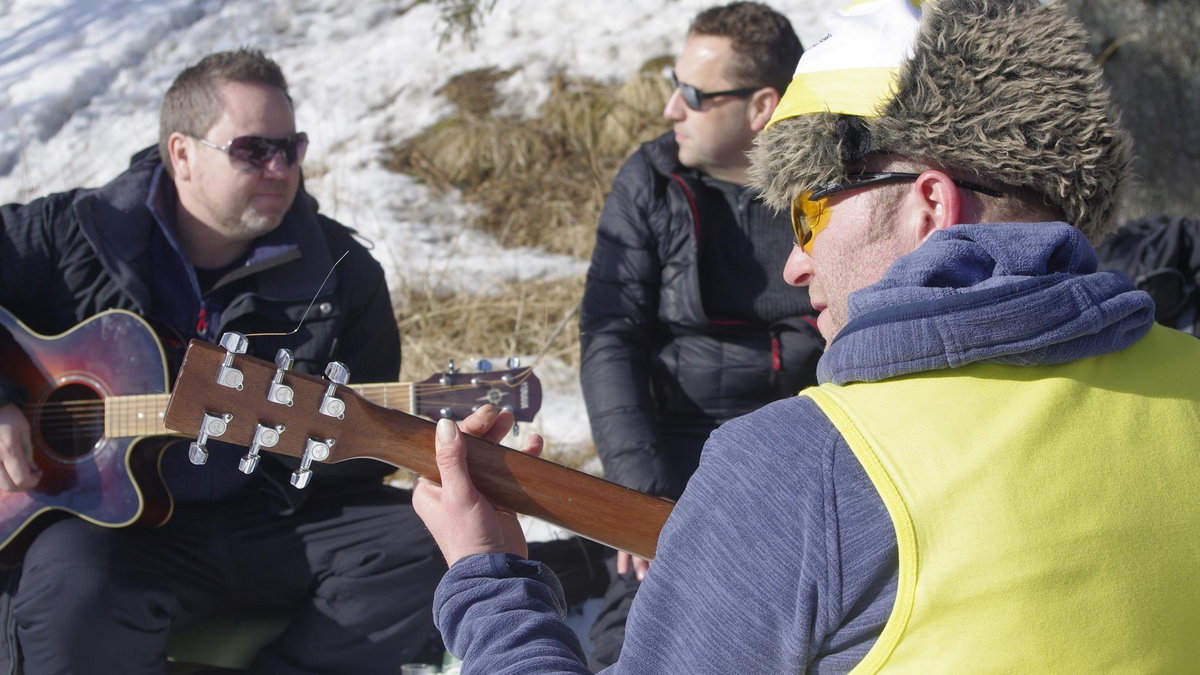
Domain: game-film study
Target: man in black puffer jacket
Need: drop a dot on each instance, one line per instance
(686, 322)
(210, 232)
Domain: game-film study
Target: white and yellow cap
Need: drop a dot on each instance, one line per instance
(1003, 91)
(853, 70)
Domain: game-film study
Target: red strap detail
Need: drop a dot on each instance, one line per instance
(691, 199)
(202, 321)
(776, 360)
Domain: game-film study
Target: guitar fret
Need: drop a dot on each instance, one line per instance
(381, 394)
(134, 415)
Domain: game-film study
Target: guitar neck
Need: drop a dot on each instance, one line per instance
(142, 414)
(586, 505)
(589, 506)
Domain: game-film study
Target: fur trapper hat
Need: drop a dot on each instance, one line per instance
(1000, 90)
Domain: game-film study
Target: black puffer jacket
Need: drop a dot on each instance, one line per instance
(655, 368)
(70, 255)
(1162, 255)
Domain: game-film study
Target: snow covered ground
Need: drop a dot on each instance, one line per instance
(81, 83)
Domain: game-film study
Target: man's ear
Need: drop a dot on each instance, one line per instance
(179, 152)
(932, 204)
(762, 106)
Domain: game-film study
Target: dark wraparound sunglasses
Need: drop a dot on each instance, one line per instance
(811, 213)
(258, 151)
(694, 98)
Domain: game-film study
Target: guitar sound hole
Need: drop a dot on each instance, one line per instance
(72, 420)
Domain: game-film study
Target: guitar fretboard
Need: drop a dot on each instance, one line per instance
(142, 414)
(138, 415)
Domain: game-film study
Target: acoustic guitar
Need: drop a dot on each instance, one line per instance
(96, 401)
(228, 396)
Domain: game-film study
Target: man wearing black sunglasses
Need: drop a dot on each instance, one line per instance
(210, 232)
(998, 471)
(685, 322)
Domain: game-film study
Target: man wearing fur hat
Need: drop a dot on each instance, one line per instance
(999, 468)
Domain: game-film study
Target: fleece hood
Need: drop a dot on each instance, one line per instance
(1012, 293)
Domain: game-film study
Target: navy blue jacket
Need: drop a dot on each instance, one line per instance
(67, 256)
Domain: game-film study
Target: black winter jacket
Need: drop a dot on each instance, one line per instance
(1161, 254)
(655, 369)
(67, 256)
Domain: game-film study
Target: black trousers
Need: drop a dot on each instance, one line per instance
(607, 632)
(356, 571)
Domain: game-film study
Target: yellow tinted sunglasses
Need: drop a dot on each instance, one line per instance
(811, 212)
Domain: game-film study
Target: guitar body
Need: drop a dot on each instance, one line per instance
(112, 482)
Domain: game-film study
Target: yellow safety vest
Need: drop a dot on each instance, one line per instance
(1047, 518)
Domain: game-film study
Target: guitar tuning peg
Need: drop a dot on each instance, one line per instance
(451, 369)
(338, 373)
(228, 376)
(483, 366)
(210, 426)
(514, 362)
(280, 392)
(313, 450)
(264, 437)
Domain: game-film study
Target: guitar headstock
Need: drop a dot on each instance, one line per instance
(223, 393)
(455, 394)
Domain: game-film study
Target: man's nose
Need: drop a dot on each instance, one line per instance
(277, 165)
(798, 270)
(674, 109)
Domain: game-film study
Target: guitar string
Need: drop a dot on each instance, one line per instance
(84, 411)
(68, 408)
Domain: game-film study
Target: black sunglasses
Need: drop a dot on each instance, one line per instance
(258, 151)
(694, 98)
(871, 178)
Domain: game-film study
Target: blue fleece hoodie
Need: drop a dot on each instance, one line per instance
(780, 556)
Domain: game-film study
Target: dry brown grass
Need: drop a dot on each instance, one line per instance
(540, 183)
(533, 318)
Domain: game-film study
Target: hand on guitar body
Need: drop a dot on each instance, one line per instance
(460, 518)
(18, 472)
